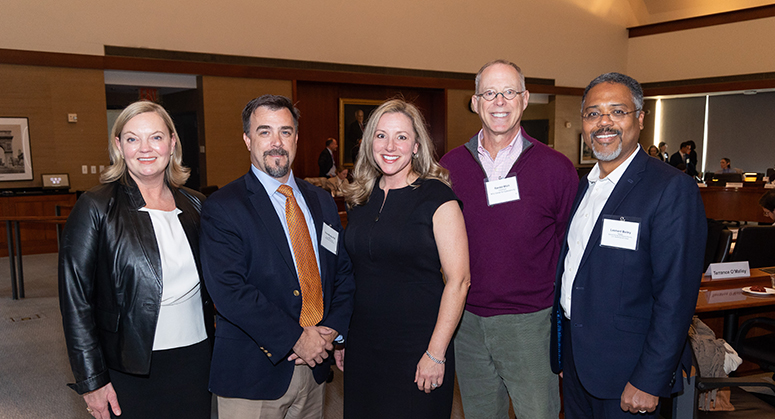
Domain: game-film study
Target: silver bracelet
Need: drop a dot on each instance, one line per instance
(438, 361)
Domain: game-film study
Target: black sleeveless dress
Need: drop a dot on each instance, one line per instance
(398, 291)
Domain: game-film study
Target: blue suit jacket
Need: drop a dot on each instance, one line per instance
(248, 268)
(631, 309)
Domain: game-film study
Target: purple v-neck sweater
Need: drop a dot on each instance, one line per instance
(514, 246)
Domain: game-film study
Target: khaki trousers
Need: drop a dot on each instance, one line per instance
(302, 400)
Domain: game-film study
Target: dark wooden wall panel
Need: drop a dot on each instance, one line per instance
(35, 237)
(319, 107)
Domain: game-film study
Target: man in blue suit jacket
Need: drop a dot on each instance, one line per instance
(630, 269)
(265, 363)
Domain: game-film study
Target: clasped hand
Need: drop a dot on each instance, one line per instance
(313, 345)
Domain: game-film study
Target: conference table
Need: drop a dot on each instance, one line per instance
(734, 204)
(727, 296)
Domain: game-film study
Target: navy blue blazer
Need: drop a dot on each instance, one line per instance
(631, 309)
(248, 263)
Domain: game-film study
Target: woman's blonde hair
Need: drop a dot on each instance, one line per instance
(175, 175)
(367, 170)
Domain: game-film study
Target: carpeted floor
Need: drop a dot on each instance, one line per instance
(33, 361)
(34, 367)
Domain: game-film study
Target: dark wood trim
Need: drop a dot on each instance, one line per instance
(703, 21)
(225, 68)
(284, 64)
(711, 85)
(558, 90)
(51, 59)
(200, 122)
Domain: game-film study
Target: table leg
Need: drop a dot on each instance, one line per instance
(11, 260)
(730, 326)
(19, 259)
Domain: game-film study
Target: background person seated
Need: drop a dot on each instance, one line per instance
(332, 184)
(767, 202)
(726, 167)
(336, 183)
(654, 151)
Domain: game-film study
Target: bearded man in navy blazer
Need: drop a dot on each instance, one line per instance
(267, 363)
(629, 272)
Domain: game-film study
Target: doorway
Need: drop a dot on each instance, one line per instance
(176, 93)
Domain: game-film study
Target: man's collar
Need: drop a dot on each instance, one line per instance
(616, 174)
(508, 148)
(271, 184)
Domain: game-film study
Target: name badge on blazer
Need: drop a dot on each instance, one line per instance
(501, 190)
(620, 232)
(329, 239)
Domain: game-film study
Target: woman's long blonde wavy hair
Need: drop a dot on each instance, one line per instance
(175, 175)
(366, 170)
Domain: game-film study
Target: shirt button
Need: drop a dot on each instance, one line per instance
(296, 293)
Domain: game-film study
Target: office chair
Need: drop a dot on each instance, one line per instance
(718, 243)
(759, 349)
(755, 244)
(724, 244)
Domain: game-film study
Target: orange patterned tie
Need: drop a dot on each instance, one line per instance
(309, 276)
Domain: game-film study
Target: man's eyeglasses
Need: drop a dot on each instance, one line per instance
(615, 115)
(507, 94)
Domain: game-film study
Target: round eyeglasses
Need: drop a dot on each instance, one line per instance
(615, 115)
(507, 94)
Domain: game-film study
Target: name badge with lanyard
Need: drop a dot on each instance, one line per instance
(620, 232)
(501, 190)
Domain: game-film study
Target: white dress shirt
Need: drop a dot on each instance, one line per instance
(583, 222)
(181, 320)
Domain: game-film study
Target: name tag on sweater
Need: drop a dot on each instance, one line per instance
(502, 190)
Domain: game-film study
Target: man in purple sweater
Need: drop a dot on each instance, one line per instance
(517, 195)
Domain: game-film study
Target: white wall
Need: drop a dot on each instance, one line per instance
(567, 40)
(723, 50)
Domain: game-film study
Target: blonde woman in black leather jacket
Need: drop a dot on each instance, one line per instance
(136, 315)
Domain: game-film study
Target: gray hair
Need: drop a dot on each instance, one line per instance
(504, 62)
(618, 78)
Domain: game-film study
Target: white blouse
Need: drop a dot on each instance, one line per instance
(181, 320)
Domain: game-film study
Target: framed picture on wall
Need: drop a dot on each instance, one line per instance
(353, 116)
(15, 161)
(585, 153)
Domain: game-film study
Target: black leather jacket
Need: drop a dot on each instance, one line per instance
(110, 283)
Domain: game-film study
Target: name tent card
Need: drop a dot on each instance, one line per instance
(728, 270)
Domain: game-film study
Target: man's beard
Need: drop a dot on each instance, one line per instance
(599, 154)
(276, 171)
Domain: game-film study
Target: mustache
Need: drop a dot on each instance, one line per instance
(605, 131)
(277, 152)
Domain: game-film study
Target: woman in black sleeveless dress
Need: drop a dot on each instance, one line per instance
(404, 227)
